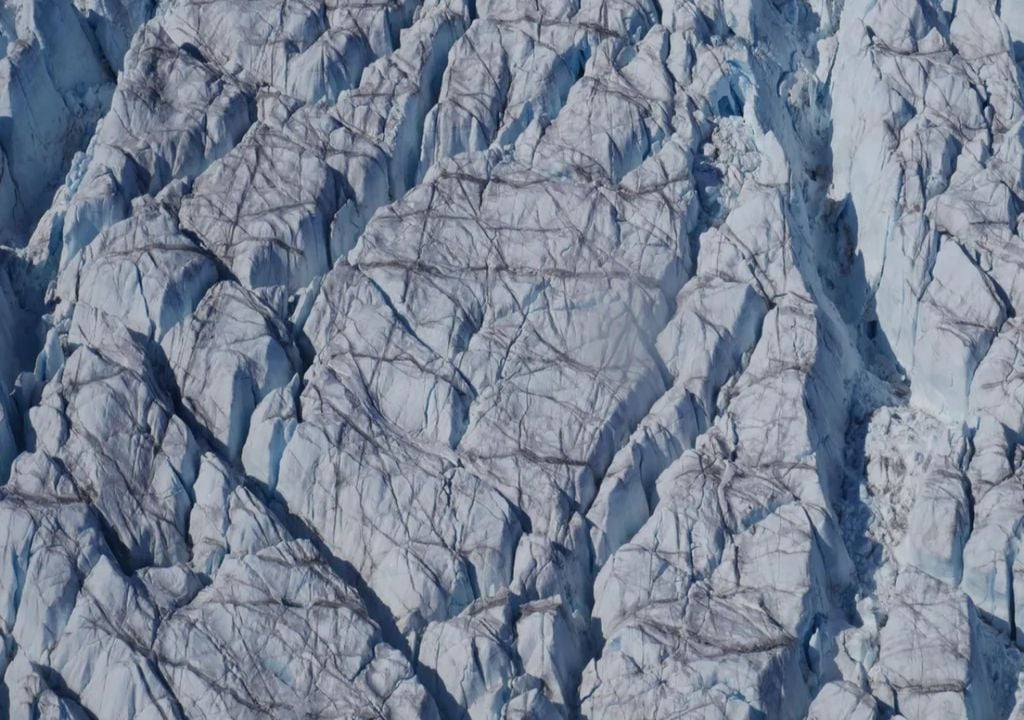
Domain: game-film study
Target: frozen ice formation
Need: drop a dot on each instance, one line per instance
(511, 359)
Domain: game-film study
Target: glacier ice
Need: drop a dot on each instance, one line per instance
(509, 359)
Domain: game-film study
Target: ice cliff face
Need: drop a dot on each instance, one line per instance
(511, 359)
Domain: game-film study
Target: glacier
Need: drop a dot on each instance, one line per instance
(511, 359)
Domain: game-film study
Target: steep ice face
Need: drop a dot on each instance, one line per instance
(59, 68)
(452, 359)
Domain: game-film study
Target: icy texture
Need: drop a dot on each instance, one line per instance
(511, 359)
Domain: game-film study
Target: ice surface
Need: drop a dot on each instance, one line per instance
(511, 359)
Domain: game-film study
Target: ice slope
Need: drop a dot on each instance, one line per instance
(511, 359)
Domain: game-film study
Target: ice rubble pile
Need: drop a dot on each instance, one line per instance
(511, 359)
